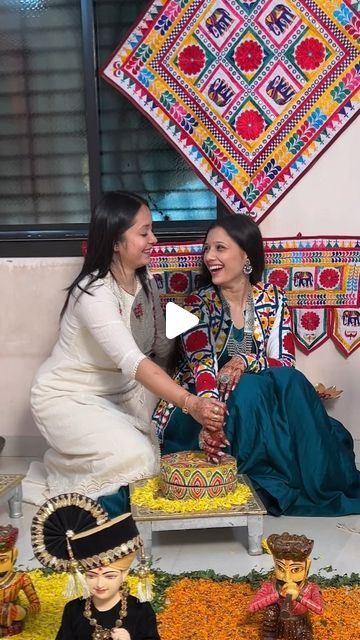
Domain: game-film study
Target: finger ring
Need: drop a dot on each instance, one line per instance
(224, 378)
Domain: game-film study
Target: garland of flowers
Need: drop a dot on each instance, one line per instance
(149, 496)
(204, 604)
(199, 609)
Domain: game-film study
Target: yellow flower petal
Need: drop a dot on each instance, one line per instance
(149, 496)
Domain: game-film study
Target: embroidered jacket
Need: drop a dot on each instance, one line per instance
(202, 346)
(308, 598)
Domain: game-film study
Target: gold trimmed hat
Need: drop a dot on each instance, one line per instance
(111, 541)
(73, 529)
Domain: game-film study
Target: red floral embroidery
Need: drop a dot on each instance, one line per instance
(279, 277)
(250, 124)
(309, 54)
(191, 299)
(310, 321)
(288, 343)
(191, 60)
(248, 55)
(205, 382)
(196, 340)
(178, 282)
(138, 310)
(273, 362)
(329, 278)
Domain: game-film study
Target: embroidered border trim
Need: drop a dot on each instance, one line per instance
(320, 275)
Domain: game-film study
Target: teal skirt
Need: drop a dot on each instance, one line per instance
(300, 461)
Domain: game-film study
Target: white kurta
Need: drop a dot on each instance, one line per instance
(85, 400)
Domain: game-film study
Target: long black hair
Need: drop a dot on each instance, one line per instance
(245, 232)
(111, 218)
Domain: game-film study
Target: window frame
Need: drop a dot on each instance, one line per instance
(30, 240)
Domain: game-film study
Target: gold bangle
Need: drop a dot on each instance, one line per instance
(185, 409)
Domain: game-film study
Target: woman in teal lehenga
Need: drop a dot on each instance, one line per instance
(300, 461)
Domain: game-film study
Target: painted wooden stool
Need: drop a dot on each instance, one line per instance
(11, 490)
(248, 515)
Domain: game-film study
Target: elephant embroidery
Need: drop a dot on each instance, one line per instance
(351, 318)
(220, 92)
(280, 90)
(303, 279)
(218, 22)
(279, 19)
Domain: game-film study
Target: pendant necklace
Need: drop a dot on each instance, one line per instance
(100, 633)
(239, 347)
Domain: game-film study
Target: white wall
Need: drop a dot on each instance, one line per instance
(326, 202)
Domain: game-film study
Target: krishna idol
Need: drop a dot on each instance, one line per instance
(73, 533)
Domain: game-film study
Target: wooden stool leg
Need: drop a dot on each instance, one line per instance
(15, 503)
(255, 534)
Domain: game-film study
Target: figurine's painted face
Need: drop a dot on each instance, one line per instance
(291, 570)
(104, 584)
(7, 561)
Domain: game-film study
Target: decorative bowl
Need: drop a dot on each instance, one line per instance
(327, 393)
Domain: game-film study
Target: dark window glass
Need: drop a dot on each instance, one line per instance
(43, 149)
(134, 155)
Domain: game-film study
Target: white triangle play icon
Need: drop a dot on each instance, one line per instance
(178, 320)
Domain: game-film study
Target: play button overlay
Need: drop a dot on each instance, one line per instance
(178, 320)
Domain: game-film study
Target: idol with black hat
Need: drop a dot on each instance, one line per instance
(73, 533)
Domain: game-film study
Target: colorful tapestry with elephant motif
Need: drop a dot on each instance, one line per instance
(321, 277)
(250, 92)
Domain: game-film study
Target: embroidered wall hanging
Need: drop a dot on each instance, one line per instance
(250, 92)
(345, 329)
(321, 277)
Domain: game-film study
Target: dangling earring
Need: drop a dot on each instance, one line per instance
(247, 268)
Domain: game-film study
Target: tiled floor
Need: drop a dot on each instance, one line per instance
(223, 550)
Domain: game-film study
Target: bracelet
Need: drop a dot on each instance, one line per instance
(185, 409)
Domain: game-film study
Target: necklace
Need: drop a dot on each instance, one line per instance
(100, 633)
(239, 347)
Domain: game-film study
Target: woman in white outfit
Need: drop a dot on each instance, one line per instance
(93, 398)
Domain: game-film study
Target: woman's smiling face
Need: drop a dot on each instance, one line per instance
(223, 258)
(135, 247)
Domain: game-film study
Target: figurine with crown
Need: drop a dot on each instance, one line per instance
(288, 598)
(12, 614)
(73, 533)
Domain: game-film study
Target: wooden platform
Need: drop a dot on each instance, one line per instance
(248, 515)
